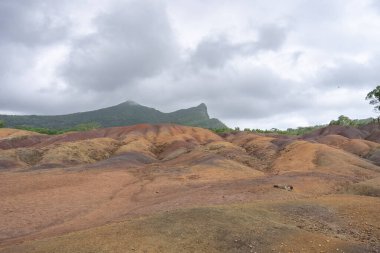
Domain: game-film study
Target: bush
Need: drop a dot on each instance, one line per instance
(2, 124)
(221, 130)
(346, 121)
(86, 126)
(342, 121)
(41, 130)
(290, 131)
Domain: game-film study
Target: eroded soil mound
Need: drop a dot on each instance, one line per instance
(370, 132)
(169, 188)
(162, 142)
(346, 131)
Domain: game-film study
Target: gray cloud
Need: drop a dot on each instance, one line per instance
(27, 28)
(376, 5)
(252, 64)
(133, 41)
(232, 95)
(271, 37)
(351, 74)
(216, 52)
(31, 22)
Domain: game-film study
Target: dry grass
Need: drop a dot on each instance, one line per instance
(256, 227)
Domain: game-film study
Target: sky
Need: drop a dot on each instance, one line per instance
(255, 63)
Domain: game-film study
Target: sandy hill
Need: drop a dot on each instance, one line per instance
(171, 188)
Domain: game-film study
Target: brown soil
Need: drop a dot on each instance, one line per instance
(169, 188)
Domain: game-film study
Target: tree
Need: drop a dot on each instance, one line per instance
(374, 98)
(342, 121)
(2, 124)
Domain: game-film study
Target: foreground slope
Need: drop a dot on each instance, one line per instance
(127, 113)
(309, 225)
(170, 188)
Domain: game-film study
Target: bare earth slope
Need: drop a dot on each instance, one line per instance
(170, 188)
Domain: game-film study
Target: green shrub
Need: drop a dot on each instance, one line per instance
(79, 128)
(221, 130)
(41, 130)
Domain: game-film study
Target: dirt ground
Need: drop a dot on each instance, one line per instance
(168, 188)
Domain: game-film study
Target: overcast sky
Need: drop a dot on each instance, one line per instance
(255, 63)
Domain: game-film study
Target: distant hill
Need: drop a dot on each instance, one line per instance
(124, 114)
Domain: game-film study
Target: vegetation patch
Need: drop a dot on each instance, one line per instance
(50, 131)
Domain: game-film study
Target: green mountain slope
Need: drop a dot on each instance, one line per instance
(127, 113)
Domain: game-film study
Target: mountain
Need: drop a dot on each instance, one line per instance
(124, 114)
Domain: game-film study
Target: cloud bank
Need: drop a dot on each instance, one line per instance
(255, 64)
